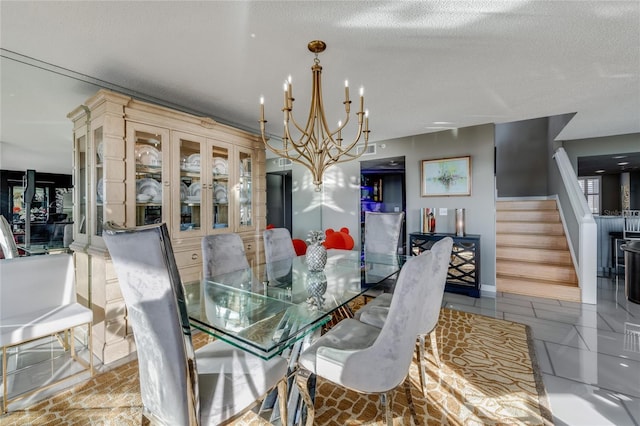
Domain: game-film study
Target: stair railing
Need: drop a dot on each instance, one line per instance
(580, 226)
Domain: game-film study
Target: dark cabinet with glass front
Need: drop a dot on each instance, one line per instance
(464, 268)
(49, 209)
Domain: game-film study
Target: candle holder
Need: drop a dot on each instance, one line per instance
(460, 222)
(428, 220)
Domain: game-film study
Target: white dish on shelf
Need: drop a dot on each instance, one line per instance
(190, 168)
(147, 155)
(220, 166)
(100, 190)
(220, 193)
(143, 198)
(149, 187)
(100, 151)
(194, 160)
(183, 191)
(194, 190)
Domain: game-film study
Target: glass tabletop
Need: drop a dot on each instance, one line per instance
(266, 309)
(36, 249)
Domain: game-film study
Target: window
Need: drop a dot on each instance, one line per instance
(591, 188)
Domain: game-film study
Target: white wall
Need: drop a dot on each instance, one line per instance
(340, 200)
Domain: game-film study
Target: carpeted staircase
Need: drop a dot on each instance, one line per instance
(532, 253)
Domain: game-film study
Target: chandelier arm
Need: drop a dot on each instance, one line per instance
(297, 147)
(346, 151)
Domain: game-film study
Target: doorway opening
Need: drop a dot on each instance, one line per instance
(279, 208)
(383, 189)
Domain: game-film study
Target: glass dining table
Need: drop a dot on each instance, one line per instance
(267, 309)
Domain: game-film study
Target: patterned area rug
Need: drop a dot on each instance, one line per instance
(488, 375)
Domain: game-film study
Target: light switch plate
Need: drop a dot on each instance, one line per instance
(442, 211)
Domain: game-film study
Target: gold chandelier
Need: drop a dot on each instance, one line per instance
(317, 147)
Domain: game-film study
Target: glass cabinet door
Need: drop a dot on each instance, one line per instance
(189, 211)
(148, 154)
(219, 188)
(80, 183)
(99, 179)
(244, 192)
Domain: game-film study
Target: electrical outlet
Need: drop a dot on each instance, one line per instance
(442, 211)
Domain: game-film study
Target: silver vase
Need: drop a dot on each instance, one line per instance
(316, 257)
(316, 287)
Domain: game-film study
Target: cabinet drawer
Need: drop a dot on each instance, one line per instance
(188, 258)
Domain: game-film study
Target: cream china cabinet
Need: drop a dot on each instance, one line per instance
(135, 164)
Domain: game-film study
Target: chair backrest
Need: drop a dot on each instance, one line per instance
(395, 344)
(441, 259)
(67, 235)
(223, 253)
(300, 246)
(631, 230)
(382, 232)
(278, 245)
(7, 243)
(145, 265)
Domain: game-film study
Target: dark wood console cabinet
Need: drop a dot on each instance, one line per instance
(464, 269)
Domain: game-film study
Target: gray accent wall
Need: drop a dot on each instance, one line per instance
(521, 158)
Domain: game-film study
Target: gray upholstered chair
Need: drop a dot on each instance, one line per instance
(366, 358)
(278, 245)
(7, 243)
(212, 385)
(382, 232)
(381, 236)
(278, 253)
(376, 312)
(222, 253)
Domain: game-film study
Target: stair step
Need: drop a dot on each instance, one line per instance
(527, 205)
(560, 274)
(528, 254)
(529, 228)
(537, 288)
(528, 216)
(555, 242)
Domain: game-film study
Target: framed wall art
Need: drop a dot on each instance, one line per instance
(446, 176)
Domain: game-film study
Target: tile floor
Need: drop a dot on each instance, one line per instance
(590, 366)
(591, 372)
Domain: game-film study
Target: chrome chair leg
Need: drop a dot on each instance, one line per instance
(434, 347)
(385, 399)
(302, 380)
(282, 400)
(421, 363)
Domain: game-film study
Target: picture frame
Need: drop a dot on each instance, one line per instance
(446, 177)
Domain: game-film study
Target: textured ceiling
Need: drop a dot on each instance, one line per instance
(425, 65)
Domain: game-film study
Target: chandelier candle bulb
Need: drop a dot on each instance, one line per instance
(346, 91)
(361, 99)
(262, 110)
(285, 94)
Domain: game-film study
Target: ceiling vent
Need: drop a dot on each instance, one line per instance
(371, 149)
